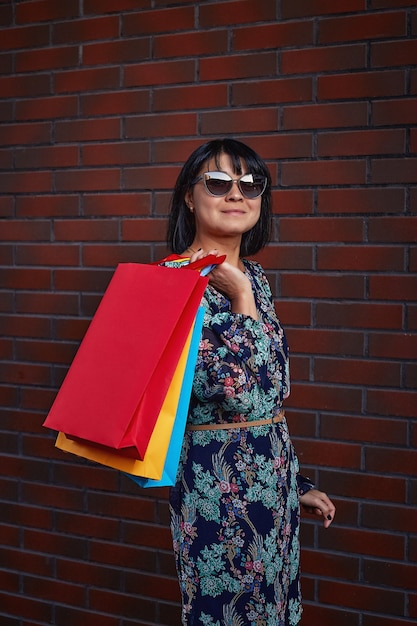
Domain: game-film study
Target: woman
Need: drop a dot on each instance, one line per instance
(235, 507)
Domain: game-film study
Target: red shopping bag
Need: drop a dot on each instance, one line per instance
(117, 383)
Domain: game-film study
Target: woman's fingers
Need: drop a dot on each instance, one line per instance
(318, 503)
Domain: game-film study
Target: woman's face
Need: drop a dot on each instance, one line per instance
(229, 215)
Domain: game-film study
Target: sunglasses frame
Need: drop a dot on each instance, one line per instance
(229, 179)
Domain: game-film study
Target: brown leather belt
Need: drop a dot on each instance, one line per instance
(271, 420)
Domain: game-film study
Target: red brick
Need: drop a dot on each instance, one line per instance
(47, 303)
(390, 518)
(67, 593)
(84, 79)
(357, 372)
(142, 178)
(159, 21)
(50, 254)
(392, 4)
(359, 315)
(87, 29)
(340, 172)
(87, 180)
(94, 281)
(326, 453)
(46, 206)
(46, 157)
(293, 313)
(174, 151)
(292, 201)
(116, 52)
(396, 111)
(363, 27)
(385, 288)
(330, 565)
(410, 379)
(360, 541)
(120, 204)
(413, 140)
(25, 374)
(116, 103)
(327, 616)
(390, 53)
(180, 44)
(411, 311)
(80, 524)
(47, 108)
(235, 12)
(160, 73)
(379, 620)
(120, 153)
(6, 15)
(29, 608)
(25, 326)
(190, 97)
(391, 402)
(325, 116)
(85, 230)
(393, 345)
(161, 125)
(401, 460)
(90, 573)
(25, 133)
(313, 341)
(320, 229)
(394, 170)
(272, 35)
(323, 59)
(365, 258)
(362, 85)
(126, 605)
(27, 278)
(395, 229)
(21, 230)
(286, 257)
(47, 59)
(25, 37)
(272, 91)
(361, 429)
(361, 142)
(303, 8)
(108, 6)
(6, 207)
(87, 130)
(239, 121)
(258, 65)
(366, 200)
(144, 230)
(24, 86)
(43, 11)
(160, 539)
(346, 594)
(103, 256)
(282, 145)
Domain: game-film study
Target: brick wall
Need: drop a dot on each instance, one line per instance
(102, 100)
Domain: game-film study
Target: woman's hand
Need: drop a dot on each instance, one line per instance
(233, 283)
(318, 503)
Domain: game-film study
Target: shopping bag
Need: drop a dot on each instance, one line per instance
(170, 466)
(117, 383)
(160, 463)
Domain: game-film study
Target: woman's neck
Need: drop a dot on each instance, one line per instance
(230, 249)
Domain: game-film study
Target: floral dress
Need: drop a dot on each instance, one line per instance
(235, 508)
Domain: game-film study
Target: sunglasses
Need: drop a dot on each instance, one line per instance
(219, 184)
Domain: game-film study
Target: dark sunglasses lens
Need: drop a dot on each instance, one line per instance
(254, 187)
(218, 186)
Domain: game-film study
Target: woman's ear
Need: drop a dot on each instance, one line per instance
(189, 200)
